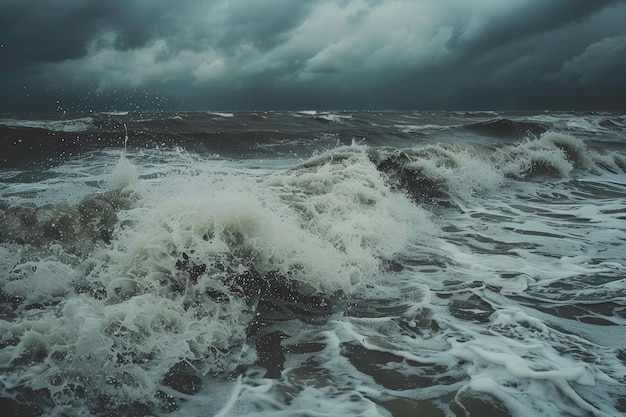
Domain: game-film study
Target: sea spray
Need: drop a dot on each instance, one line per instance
(125, 174)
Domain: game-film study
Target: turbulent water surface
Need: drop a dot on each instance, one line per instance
(313, 264)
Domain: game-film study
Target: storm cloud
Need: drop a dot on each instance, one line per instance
(288, 54)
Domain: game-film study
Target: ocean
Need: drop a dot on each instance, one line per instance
(313, 263)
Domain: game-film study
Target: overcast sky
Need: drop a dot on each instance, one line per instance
(312, 54)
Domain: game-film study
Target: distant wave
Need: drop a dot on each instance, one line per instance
(507, 128)
(288, 133)
(71, 125)
(115, 113)
(222, 114)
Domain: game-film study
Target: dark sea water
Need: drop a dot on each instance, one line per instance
(313, 264)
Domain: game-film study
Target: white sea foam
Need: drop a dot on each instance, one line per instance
(40, 281)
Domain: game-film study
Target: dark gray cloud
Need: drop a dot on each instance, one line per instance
(274, 54)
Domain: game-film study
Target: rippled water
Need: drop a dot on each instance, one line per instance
(461, 264)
